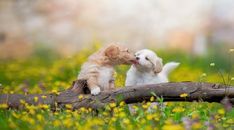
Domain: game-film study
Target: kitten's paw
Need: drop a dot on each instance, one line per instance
(95, 91)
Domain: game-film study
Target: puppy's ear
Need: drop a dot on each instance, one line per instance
(112, 51)
(158, 65)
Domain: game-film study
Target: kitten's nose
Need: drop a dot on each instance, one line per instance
(138, 58)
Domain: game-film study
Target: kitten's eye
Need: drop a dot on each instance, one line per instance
(146, 58)
(127, 50)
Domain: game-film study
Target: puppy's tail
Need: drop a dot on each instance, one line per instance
(169, 67)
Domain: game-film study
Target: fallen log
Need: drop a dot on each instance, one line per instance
(195, 91)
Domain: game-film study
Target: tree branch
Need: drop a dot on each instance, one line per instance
(197, 91)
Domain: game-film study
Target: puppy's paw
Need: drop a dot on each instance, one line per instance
(95, 91)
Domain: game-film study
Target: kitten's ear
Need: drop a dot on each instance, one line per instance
(158, 65)
(112, 51)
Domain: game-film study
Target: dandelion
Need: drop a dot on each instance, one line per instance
(56, 113)
(40, 117)
(44, 106)
(32, 112)
(122, 103)
(22, 101)
(149, 117)
(55, 92)
(43, 97)
(232, 78)
(172, 127)
(212, 64)
(113, 119)
(89, 109)
(145, 106)
(3, 106)
(82, 109)
(69, 111)
(126, 121)
(56, 123)
(178, 109)
(221, 111)
(68, 106)
(112, 105)
(184, 95)
(80, 97)
(195, 115)
(11, 92)
(35, 99)
(152, 98)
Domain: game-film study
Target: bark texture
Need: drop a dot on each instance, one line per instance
(197, 91)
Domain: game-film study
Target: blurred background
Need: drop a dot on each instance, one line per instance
(43, 43)
(67, 26)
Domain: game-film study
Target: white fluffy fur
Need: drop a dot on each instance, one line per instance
(144, 72)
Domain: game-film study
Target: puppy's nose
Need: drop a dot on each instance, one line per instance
(138, 58)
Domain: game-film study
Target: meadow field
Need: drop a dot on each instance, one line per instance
(46, 71)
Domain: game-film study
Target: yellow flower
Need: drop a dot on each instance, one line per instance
(82, 109)
(122, 114)
(40, 117)
(56, 123)
(183, 95)
(31, 111)
(67, 123)
(44, 106)
(55, 92)
(126, 121)
(68, 106)
(11, 92)
(221, 111)
(113, 119)
(195, 115)
(178, 109)
(152, 98)
(22, 101)
(149, 117)
(172, 127)
(122, 103)
(3, 106)
(35, 99)
(80, 97)
(56, 113)
(112, 105)
(89, 109)
(212, 64)
(43, 97)
(145, 106)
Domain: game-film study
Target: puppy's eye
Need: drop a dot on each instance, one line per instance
(127, 50)
(146, 58)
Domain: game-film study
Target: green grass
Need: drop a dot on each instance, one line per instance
(46, 71)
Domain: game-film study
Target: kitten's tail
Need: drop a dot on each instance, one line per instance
(169, 67)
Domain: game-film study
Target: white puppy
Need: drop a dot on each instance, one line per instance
(149, 70)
